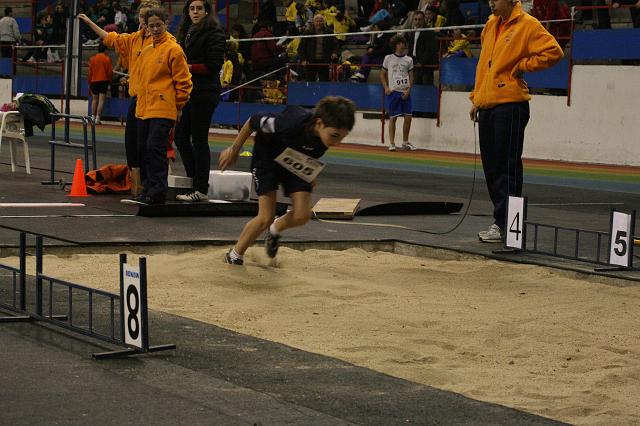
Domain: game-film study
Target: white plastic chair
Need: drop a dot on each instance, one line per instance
(12, 128)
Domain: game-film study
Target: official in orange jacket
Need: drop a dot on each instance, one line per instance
(129, 47)
(513, 42)
(164, 85)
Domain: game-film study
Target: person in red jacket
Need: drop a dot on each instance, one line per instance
(513, 43)
(263, 52)
(100, 74)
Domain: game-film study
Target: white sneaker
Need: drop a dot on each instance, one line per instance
(492, 235)
(98, 120)
(358, 76)
(392, 147)
(408, 146)
(192, 197)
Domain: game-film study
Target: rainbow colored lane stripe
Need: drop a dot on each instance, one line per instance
(591, 176)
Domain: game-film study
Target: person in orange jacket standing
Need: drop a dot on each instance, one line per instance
(513, 42)
(100, 74)
(165, 86)
(129, 47)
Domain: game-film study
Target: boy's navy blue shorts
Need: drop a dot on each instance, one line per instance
(267, 178)
(98, 87)
(396, 106)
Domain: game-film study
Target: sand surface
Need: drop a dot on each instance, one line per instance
(523, 336)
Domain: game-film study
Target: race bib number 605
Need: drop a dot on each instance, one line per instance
(305, 167)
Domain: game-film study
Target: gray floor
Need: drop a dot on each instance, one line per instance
(217, 376)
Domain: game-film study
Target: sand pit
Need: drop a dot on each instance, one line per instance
(524, 336)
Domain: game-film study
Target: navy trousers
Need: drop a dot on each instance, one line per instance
(153, 134)
(501, 131)
(192, 137)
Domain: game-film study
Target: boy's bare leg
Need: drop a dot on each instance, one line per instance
(257, 225)
(94, 104)
(392, 131)
(406, 128)
(300, 214)
(101, 99)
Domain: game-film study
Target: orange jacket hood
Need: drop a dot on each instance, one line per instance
(523, 45)
(164, 80)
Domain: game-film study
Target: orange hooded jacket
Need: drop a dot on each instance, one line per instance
(523, 45)
(129, 47)
(163, 79)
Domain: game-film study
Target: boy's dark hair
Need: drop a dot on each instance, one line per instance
(336, 111)
(156, 11)
(397, 39)
(102, 48)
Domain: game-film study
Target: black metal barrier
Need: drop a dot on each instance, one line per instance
(84, 310)
(85, 145)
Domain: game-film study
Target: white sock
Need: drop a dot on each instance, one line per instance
(234, 255)
(273, 230)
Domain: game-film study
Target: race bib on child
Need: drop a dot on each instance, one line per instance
(305, 167)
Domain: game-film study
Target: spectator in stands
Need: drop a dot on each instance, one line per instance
(513, 42)
(267, 12)
(450, 9)
(59, 17)
(304, 18)
(120, 18)
(203, 41)
(423, 48)
(329, 11)
(317, 50)
(343, 23)
(378, 48)
(546, 10)
(9, 33)
(397, 78)
(43, 36)
(129, 46)
(291, 12)
(244, 47)
(604, 19)
(433, 19)
(458, 47)
(100, 74)
(263, 52)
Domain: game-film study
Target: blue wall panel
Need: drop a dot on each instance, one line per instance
(6, 66)
(462, 71)
(606, 44)
(24, 25)
(231, 113)
(365, 95)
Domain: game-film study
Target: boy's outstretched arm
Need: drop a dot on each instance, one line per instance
(229, 156)
(96, 29)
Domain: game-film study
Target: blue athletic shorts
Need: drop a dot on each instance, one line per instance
(397, 106)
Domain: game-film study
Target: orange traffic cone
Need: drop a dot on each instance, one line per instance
(78, 186)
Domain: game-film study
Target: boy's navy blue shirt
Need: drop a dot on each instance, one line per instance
(292, 128)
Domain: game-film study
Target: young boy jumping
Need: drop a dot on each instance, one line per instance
(310, 133)
(397, 78)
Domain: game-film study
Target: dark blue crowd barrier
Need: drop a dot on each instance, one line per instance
(366, 96)
(25, 25)
(6, 66)
(231, 113)
(606, 44)
(462, 71)
(44, 84)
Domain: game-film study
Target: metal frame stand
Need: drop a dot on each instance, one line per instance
(85, 146)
